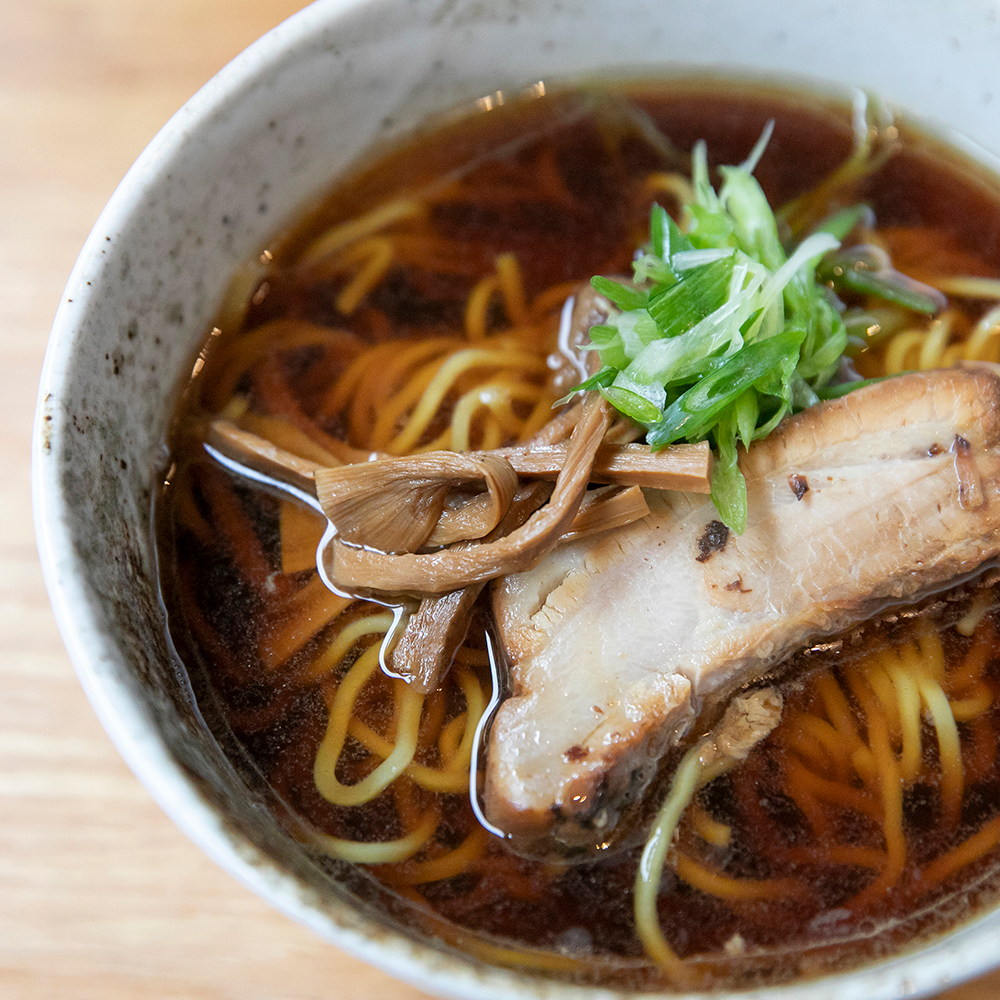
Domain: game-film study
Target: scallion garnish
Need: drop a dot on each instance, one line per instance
(867, 270)
(722, 332)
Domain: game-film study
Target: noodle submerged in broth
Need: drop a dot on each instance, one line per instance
(419, 310)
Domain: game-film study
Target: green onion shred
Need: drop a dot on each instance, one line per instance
(723, 331)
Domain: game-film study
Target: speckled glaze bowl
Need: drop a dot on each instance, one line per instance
(260, 141)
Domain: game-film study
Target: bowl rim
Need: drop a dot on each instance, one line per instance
(911, 973)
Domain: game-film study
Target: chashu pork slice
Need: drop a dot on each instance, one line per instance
(617, 643)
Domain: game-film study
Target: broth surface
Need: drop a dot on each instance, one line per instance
(563, 184)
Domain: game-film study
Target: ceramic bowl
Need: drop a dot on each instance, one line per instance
(261, 140)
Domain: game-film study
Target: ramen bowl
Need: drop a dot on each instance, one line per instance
(264, 139)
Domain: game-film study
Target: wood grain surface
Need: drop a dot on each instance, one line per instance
(101, 898)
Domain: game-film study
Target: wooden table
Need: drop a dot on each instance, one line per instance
(101, 898)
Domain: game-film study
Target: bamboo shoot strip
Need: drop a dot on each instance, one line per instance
(686, 467)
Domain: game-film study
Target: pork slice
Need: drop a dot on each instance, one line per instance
(618, 643)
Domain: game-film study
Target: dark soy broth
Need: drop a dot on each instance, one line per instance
(563, 183)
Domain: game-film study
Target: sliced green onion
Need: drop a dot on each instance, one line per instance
(840, 224)
(692, 415)
(729, 488)
(678, 308)
(866, 270)
(631, 404)
(722, 333)
(621, 295)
